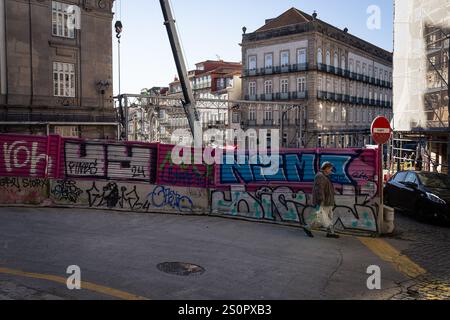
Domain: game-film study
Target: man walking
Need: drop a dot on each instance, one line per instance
(323, 199)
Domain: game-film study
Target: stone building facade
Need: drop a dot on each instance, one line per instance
(56, 68)
(334, 82)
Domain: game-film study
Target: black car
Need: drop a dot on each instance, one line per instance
(427, 195)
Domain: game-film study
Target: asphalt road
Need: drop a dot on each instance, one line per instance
(118, 254)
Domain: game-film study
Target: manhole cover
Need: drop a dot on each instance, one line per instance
(180, 268)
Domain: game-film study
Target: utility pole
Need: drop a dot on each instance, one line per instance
(189, 101)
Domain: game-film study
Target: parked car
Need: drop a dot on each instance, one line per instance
(425, 194)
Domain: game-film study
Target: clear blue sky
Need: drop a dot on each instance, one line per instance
(209, 28)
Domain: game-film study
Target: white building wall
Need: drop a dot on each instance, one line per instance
(276, 49)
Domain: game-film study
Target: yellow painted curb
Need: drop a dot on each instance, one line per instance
(388, 253)
(84, 285)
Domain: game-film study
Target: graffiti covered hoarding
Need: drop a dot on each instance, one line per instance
(184, 175)
(18, 190)
(242, 189)
(110, 161)
(134, 197)
(29, 156)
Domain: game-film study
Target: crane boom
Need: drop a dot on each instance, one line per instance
(189, 100)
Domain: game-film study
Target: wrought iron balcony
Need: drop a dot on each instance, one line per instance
(266, 97)
(322, 67)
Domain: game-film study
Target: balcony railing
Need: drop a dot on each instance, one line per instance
(322, 67)
(268, 122)
(300, 67)
(321, 95)
(281, 96)
(266, 97)
(285, 68)
(266, 70)
(300, 95)
(251, 122)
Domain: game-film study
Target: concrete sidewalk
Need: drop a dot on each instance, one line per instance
(242, 260)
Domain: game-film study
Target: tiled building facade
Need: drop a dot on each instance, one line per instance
(337, 82)
(56, 68)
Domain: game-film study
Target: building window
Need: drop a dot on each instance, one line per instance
(268, 58)
(252, 62)
(336, 114)
(343, 91)
(329, 113)
(284, 58)
(252, 114)
(284, 84)
(319, 114)
(336, 60)
(67, 131)
(268, 114)
(350, 114)
(235, 116)
(343, 65)
(301, 84)
(351, 65)
(268, 87)
(63, 24)
(301, 56)
(252, 88)
(328, 58)
(63, 79)
(343, 114)
(319, 55)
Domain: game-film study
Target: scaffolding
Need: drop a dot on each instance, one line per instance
(163, 119)
(421, 91)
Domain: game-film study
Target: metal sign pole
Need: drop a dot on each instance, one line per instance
(381, 184)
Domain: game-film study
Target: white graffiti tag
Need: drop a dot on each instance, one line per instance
(18, 156)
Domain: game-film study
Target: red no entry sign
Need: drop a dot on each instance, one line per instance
(381, 130)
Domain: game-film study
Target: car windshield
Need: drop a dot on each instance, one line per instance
(435, 180)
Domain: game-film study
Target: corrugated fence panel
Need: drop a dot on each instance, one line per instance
(185, 175)
(28, 156)
(114, 161)
(298, 167)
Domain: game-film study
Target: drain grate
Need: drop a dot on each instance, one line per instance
(180, 268)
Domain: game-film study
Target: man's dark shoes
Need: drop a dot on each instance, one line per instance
(333, 235)
(308, 232)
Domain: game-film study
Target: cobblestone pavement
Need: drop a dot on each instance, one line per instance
(429, 246)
